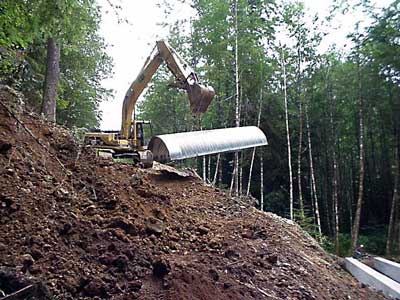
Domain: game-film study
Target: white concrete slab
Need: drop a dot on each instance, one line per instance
(373, 278)
(387, 267)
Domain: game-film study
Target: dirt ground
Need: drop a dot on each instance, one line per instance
(74, 226)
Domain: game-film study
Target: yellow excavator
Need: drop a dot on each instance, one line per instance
(129, 141)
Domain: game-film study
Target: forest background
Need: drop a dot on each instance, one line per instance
(332, 119)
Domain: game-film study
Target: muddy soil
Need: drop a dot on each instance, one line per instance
(81, 227)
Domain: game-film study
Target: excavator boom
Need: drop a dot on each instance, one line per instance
(200, 96)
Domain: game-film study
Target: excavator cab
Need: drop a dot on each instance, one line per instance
(137, 134)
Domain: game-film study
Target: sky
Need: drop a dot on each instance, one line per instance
(129, 44)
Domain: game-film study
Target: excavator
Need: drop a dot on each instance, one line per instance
(130, 142)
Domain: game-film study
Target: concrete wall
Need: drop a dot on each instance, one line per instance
(373, 278)
(387, 267)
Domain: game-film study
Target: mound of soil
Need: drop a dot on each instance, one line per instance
(88, 228)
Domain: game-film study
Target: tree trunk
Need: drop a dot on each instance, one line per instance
(301, 205)
(233, 181)
(241, 175)
(209, 169)
(395, 199)
(237, 117)
(283, 62)
(51, 81)
(204, 162)
(335, 202)
(261, 181)
(356, 226)
(299, 150)
(312, 203)
(204, 169)
(250, 171)
(398, 237)
(335, 170)
(220, 177)
(327, 191)
(350, 194)
(254, 149)
(216, 170)
(313, 184)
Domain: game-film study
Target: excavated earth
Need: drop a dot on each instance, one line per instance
(73, 226)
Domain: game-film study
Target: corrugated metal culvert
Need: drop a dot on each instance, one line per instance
(183, 145)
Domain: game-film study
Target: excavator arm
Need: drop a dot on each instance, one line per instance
(129, 141)
(199, 96)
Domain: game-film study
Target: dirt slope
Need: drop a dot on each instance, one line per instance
(79, 227)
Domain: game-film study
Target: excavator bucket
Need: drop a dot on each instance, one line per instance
(200, 97)
(177, 146)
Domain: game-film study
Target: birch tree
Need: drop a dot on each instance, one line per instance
(261, 182)
(237, 105)
(214, 182)
(289, 151)
(335, 174)
(333, 141)
(356, 226)
(394, 206)
(254, 149)
(314, 195)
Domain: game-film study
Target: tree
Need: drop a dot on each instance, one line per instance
(382, 43)
(253, 156)
(237, 115)
(289, 149)
(51, 80)
(69, 30)
(314, 195)
(356, 226)
(394, 206)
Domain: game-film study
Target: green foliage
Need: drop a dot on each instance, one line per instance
(374, 241)
(327, 243)
(15, 17)
(26, 25)
(382, 44)
(307, 222)
(276, 201)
